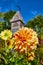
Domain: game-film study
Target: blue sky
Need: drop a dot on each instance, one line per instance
(28, 8)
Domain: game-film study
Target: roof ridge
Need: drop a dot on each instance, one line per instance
(16, 17)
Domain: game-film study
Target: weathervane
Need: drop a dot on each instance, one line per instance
(17, 5)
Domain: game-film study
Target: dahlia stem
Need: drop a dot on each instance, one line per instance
(5, 44)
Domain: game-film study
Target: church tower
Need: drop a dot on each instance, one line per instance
(16, 22)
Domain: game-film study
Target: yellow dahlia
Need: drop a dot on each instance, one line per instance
(10, 43)
(6, 34)
(31, 56)
(25, 40)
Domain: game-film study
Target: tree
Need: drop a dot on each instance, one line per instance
(5, 20)
(2, 26)
(7, 17)
(36, 24)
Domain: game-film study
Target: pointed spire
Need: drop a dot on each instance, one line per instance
(17, 17)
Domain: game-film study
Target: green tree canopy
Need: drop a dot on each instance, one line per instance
(37, 24)
(7, 17)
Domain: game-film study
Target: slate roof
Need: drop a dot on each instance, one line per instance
(17, 17)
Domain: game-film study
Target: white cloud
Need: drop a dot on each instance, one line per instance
(34, 12)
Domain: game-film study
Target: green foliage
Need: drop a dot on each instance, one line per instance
(1, 15)
(6, 17)
(37, 24)
(2, 26)
(12, 57)
(9, 15)
(39, 54)
(2, 45)
(36, 21)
